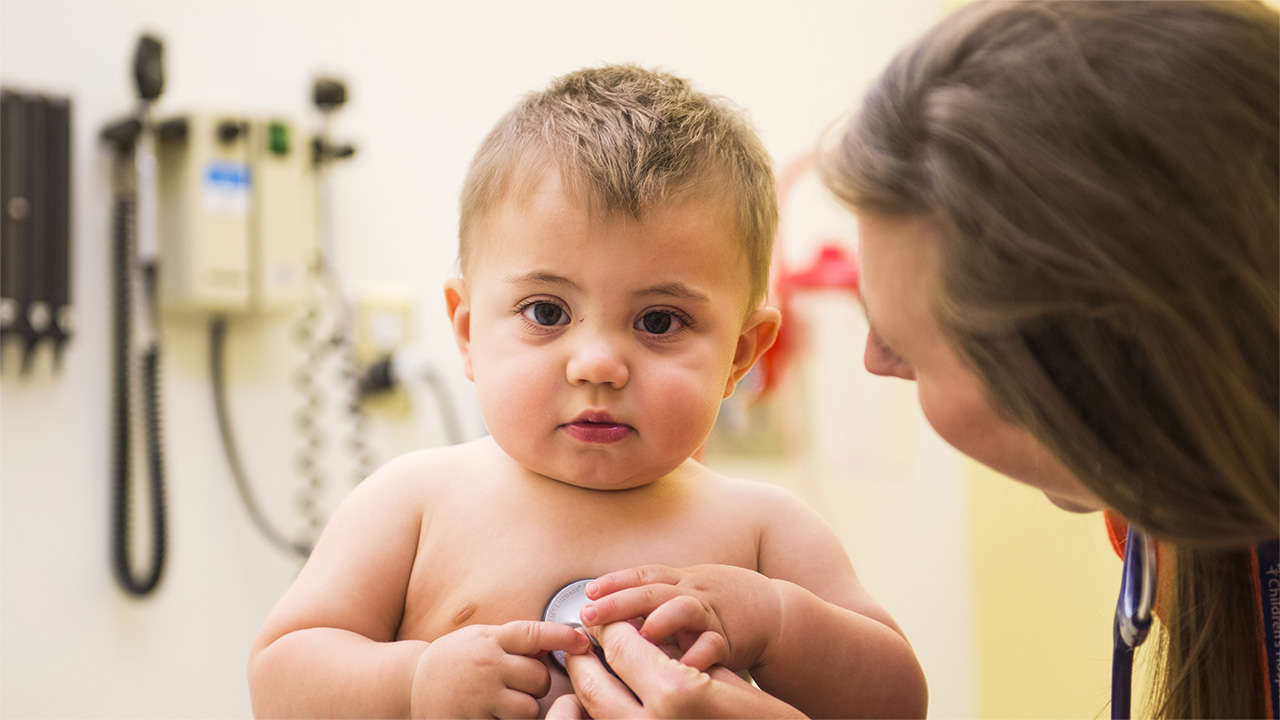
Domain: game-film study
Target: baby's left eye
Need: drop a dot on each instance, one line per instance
(546, 313)
(659, 322)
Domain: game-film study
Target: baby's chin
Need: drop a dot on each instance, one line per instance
(602, 478)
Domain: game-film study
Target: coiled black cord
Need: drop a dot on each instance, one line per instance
(349, 368)
(306, 420)
(217, 351)
(121, 505)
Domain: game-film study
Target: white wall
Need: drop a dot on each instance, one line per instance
(426, 81)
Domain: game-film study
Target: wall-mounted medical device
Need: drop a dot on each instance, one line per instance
(237, 215)
(35, 227)
(239, 234)
(220, 215)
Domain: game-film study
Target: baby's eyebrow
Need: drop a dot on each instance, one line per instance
(676, 290)
(540, 277)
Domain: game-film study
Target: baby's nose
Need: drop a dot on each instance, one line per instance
(598, 361)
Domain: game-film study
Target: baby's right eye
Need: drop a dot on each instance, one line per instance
(545, 313)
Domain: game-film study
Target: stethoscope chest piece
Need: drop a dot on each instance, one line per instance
(564, 608)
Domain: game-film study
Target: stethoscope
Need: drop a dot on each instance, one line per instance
(1133, 615)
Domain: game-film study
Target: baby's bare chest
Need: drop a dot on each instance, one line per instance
(477, 572)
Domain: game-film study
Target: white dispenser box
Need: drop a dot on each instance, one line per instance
(204, 206)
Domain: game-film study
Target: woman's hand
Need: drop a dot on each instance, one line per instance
(717, 614)
(656, 686)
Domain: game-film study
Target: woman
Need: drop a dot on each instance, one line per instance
(1069, 238)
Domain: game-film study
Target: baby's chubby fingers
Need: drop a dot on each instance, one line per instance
(628, 604)
(634, 577)
(694, 625)
(681, 613)
(709, 649)
(530, 637)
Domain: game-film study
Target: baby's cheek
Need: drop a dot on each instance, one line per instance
(688, 410)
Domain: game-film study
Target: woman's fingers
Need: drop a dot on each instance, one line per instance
(647, 670)
(598, 693)
(728, 677)
(567, 707)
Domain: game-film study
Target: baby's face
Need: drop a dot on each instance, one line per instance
(601, 348)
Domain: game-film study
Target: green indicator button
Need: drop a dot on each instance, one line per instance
(278, 138)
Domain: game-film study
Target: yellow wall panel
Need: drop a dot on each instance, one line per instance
(1045, 584)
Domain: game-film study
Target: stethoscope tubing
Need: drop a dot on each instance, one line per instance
(1133, 617)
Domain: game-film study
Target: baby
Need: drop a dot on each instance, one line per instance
(615, 240)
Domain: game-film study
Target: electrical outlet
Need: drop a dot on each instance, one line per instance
(383, 322)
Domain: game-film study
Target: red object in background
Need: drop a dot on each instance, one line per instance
(833, 268)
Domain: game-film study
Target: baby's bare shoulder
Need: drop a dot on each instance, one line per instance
(749, 497)
(418, 480)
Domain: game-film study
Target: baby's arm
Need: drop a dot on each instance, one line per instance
(810, 633)
(329, 647)
(836, 647)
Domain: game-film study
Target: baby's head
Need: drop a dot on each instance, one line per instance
(615, 243)
(626, 140)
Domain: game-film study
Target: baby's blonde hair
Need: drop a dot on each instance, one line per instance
(625, 140)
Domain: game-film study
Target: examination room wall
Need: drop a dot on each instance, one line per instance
(426, 80)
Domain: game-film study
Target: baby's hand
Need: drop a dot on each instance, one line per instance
(482, 671)
(716, 614)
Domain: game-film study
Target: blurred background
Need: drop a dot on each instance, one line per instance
(299, 339)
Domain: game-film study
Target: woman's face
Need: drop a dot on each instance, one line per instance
(897, 261)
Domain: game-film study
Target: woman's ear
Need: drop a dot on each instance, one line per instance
(758, 335)
(458, 304)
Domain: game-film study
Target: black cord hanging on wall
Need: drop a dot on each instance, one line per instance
(136, 345)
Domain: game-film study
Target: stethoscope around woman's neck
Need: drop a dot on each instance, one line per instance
(1133, 615)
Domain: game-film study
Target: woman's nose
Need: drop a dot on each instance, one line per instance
(884, 362)
(598, 361)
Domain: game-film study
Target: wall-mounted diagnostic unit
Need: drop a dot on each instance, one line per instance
(237, 219)
(282, 227)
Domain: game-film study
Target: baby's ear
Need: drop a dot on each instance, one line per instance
(458, 304)
(758, 335)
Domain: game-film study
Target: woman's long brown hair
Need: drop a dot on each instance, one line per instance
(1105, 180)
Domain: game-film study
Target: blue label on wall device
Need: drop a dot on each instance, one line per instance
(225, 188)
